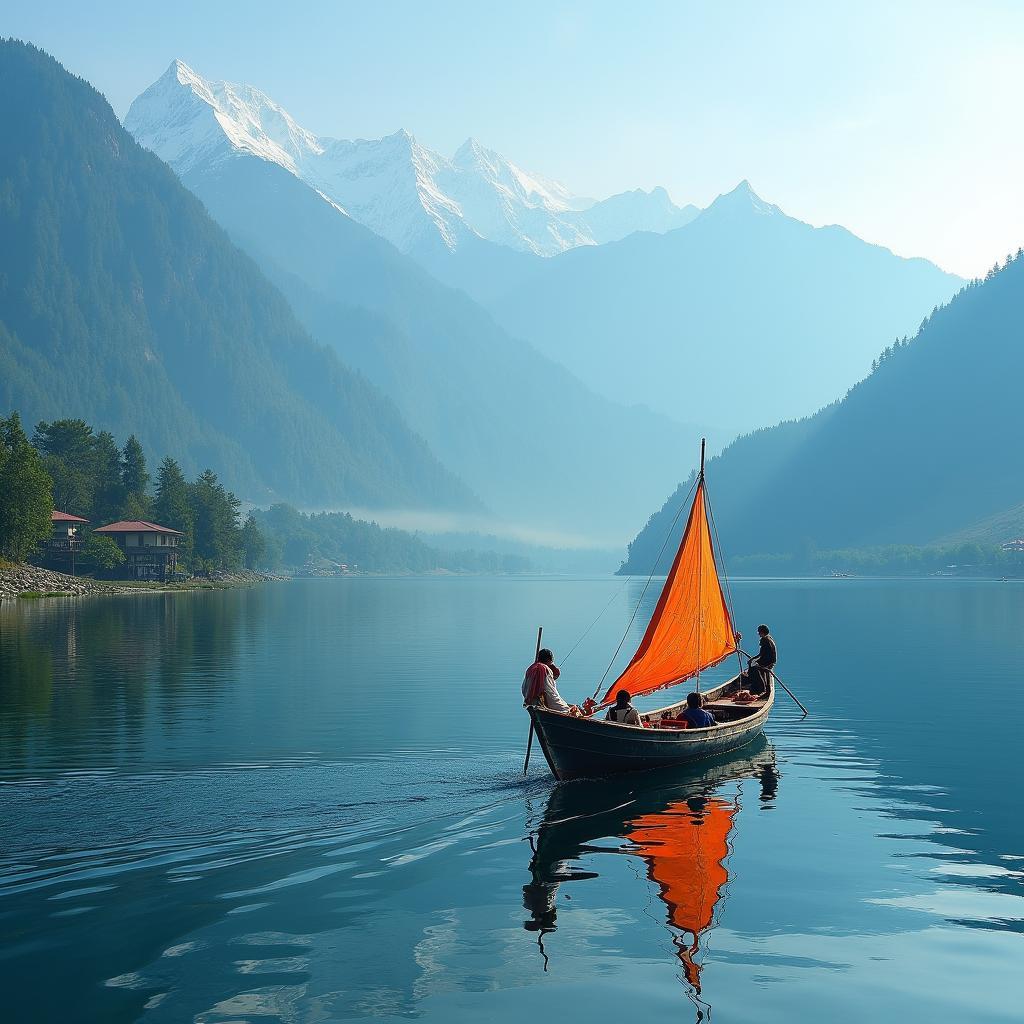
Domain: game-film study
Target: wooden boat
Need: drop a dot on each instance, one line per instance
(578, 748)
(691, 630)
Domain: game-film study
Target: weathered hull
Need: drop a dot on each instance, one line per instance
(577, 748)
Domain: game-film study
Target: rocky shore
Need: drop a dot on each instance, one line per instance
(32, 581)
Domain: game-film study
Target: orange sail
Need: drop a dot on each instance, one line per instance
(685, 848)
(691, 628)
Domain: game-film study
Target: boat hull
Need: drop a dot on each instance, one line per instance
(577, 748)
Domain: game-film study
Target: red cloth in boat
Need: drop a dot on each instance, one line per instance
(539, 682)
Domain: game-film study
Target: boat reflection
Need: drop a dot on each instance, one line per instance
(680, 822)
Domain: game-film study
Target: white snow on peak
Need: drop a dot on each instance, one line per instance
(473, 158)
(188, 120)
(395, 186)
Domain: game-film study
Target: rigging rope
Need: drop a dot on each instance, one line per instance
(617, 594)
(654, 567)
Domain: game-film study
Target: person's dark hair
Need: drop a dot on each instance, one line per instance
(622, 697)
(694, 700)
(763, 629)
(544, 656)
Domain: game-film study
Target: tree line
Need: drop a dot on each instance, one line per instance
(965, 558)
(334, 538)
(68, 466)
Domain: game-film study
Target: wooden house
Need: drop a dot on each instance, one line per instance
(61, 548)
(150, 550)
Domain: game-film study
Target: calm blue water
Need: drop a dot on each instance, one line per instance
(304, 802)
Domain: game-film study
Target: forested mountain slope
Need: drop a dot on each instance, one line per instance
(538, 447)
(931, 442)
(121, 302)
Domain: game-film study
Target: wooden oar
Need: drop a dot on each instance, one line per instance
(780, 682)
(529, 739)
(789, 691)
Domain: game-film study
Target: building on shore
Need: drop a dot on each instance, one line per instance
(150, 550)
(61, 548)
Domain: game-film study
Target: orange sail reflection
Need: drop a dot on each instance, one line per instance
(685, 848)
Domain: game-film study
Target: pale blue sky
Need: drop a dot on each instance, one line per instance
(901, 121)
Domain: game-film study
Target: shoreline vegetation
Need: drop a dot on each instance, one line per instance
(26, 582)
(969, 558)
(68, 467)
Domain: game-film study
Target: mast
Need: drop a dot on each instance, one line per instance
(700, 577)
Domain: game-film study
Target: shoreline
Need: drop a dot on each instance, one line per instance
(28, 582)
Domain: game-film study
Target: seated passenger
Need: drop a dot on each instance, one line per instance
(539, 684)
(695, 714)
(623, 713)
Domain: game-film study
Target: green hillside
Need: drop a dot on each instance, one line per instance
(928, 448)
(122, 303)
(537, 445)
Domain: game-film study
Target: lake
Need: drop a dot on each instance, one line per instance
(304, 802)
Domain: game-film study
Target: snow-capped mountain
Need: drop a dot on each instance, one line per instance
(397, 187)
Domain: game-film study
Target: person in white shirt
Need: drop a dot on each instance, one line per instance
(539, 684)
(623, 713)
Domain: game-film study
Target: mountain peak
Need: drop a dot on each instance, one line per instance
(180, 73)
(400, 138)
(473, 154)
(394, 185)
(187, 119)
(742, 199)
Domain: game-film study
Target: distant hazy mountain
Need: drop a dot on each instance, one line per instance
(742, 317)
(123, 303)
(415, 198)
(621, 215)
(929, 447)
(536, 445)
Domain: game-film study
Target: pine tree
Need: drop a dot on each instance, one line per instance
(134, 481)
(26, 492)
(67, 447)
(109, 496)
(218, 541)
(254, 544)
(172, 506)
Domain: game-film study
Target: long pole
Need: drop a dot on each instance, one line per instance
(789, 691)
(529, 739)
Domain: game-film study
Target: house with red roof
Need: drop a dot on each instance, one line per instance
(150, 550)
(65, 541)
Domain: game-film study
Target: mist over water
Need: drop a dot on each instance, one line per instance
(305, 802)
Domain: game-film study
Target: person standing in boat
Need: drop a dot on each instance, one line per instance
(761, 666)
(539, 684)
(623, 713)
